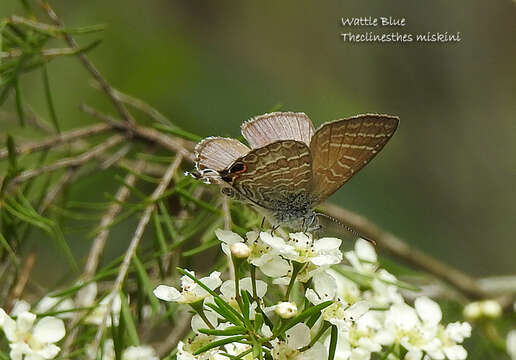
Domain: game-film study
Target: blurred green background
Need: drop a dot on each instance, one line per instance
(446, 181)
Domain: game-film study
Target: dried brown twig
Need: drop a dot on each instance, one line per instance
(398, 248)
(53, 141)
(172, 143)
(135, 241)
(69, 162)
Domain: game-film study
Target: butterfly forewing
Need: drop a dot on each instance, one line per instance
(342, 147)
(268, 128)
(276, 174)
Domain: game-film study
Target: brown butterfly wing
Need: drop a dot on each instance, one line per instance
(342, 147)
(274, 175)
(268, 128)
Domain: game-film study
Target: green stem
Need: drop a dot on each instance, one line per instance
(296, 267)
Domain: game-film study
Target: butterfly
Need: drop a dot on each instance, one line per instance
(289, 167)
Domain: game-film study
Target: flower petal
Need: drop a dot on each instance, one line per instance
(228, 237)
(327, 244)
(49, 330)
(428, 310)
(167, 293)
(298, 336)
(365, 251)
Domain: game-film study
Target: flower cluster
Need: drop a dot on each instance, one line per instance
(309, 305)
(33, 335)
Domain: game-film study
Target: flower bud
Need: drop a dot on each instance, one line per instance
(286, 310)
(479, 309)
(240, 250)
(472, 311)
(491, 309)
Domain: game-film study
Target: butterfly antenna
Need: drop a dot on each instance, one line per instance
(347, 227)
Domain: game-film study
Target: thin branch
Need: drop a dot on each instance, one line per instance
(226, 209)
(89, 66)
(22, 279)
(137, 104)
(135, 241)
(54, 191)
(398, 248)
(175, 144)
(179, 331)
(69, 162)
(53, 141)
(100, 240)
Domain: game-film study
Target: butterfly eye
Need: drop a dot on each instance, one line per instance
(237, 168)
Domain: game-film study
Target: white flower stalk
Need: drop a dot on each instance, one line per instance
(511, 344)
(261, 254)
(107, 350)
(191, 292)
(29, 339)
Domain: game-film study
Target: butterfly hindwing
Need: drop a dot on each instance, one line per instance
(342, 147)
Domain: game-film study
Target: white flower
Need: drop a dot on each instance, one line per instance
(97, 315)
(325, 288)
(458, 331)
(190, 292)
(48, 303)
(342, 315)
(185, 350)
(141, 352)
(261, 254)
(511, 344)
(31, 340)
(227, 292)
(301, 248)
(297, 337)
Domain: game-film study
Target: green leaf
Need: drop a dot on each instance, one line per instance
(178, 132)
(19, 101)
(128, 320)
(48, 97)
(218, 343)
(365, 280)
(5, 244)
(147, 286)
(220, 302)
(333, 342)
(158, 229)
(11, 153)
(232, 330)
(201, 248)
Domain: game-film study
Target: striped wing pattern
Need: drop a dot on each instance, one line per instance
(217, 153)
(268, 128)
(277, 175)
(341, 148)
